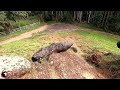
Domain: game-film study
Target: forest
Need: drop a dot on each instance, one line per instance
(60, 44)
(109, 21)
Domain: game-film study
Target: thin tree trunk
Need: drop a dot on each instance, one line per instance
(89, 16)
(74, 17)
(92, 17)
(105, 20)
(80, 16)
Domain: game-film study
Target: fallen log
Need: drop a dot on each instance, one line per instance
(44, 53)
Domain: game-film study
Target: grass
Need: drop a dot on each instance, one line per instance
(23, 47)
(91, 26)
(100, 41)
(94, 40)
(27, 47)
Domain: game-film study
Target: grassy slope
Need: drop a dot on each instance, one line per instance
(27, 47)
(100, 41)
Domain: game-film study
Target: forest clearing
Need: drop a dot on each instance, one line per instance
(93, 55)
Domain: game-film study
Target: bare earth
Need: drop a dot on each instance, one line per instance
(63, 65)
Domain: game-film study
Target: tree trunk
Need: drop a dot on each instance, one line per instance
(94, 16)
(105, 20)
(74, 17)
(56, 15)
(79, 16)
(89, 16)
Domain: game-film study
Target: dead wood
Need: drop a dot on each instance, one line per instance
(44, 53)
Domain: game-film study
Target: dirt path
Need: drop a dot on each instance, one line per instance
(52, 27)
(24, 35)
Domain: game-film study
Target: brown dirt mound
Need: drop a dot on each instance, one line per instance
(71, 66)
(64, 66)
(61, 27)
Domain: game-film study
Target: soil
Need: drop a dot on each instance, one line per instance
(65, 66)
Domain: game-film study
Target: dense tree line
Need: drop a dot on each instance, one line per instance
(108, 20)
(7, 16)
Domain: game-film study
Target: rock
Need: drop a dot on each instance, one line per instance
(51, 62)
(13, 67)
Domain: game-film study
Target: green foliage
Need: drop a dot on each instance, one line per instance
(109, 21)
(4, 23)
(98, 18)
(67, 17)
(113, 24)
(22, 22)
(20, 14)
(1, 29)
(2, 16)
(47, 16)
(14, 19)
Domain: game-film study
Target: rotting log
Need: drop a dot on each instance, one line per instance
(44, 53)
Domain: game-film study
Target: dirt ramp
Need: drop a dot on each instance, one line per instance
(69, 66)
(64, 66)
